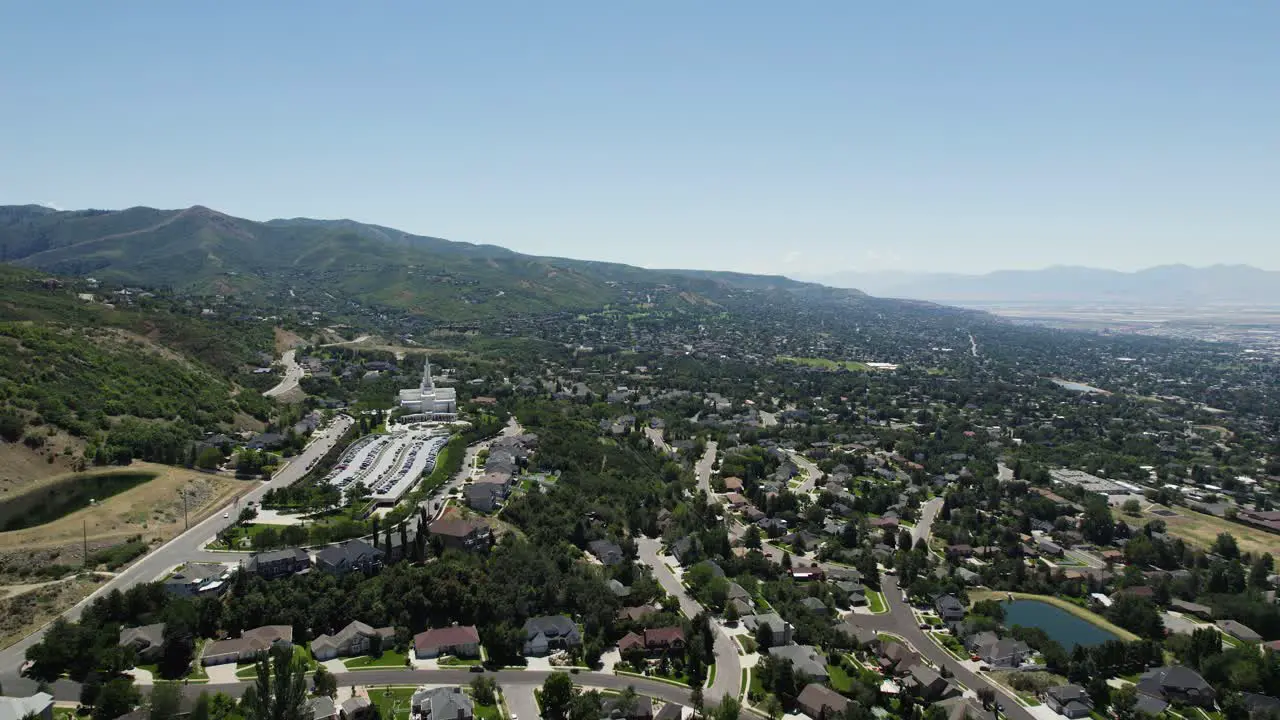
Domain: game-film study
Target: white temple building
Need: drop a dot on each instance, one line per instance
(429, 399)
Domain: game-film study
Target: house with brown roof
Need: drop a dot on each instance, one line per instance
(456, 640)
(251, 645)
(462, 534)
(637, 613)
(818, 701)
(655, 640)
(353, 640)
(733, 484)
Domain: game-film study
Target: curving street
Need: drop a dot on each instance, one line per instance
(292, 375)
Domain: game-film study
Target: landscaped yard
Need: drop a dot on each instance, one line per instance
(390, 658)
(841, 681)
(396, 703)
(748, 643)
(450, 660)
(486, 712)
(951, 643)
(875, 601)
(824, 363)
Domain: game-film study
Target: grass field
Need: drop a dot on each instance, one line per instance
(389, 658)
(152, 510)
(875, 601)
(23, 613)
(1094, 618)
(1201, 529)
(824, 363)
(394, 703)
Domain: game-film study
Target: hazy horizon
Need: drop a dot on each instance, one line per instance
(751, 138)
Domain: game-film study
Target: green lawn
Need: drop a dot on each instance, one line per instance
(748, 643)
(711, 675)
(841, 682)
(757, 687)
(487, 712)
(876, 601)
(1230, 640)
(393, 704)
(390, 658)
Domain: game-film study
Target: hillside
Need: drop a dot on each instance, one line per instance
(1168, 285)
(81, 377)
(202, 251)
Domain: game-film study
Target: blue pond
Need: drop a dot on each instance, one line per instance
(1061, 626)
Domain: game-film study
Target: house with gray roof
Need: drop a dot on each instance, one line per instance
(543, 634)
(147, 641)
(322, 708)
(1069, 700)
(1175, 683)
(804, 659)
(780, 630)
(354, 640)
(38, 706)
(445, 703)
(1239, 631)
(349, 556)
(818, 701)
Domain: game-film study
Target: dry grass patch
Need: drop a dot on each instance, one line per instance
(22, 614)
(1201, 529)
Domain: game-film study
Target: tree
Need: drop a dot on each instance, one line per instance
(1225, 545)
(904, 539)
(1132, 507)
(209, 458)
(166, 701)
(727, 709)
(1098, 525)
(1124, 703)
(987, 697)
(484, 690)
(1099, 692)
(116, 698)
(772, 707)
(764, 637)
(203, 709)
(325, 683)
(557, 694)
(179, 639)
(375, 646)
(695, 698)
(280, 692)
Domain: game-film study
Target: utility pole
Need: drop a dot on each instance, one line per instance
(186, 522)
(84, 536)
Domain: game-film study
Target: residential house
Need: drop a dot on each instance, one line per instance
(322, 708)
(733, 484)
(456, 640)
(977, 641)
(804, 659)
(818, 702)
(814, 605)
(353, 640)
(198, 580)
(444, 703)
(251, 645)
(1261, 707)
(968, 577)
(350, 556)
(884, 522)
(670, 711)
(654, 640)
(949, 608)
(736, 500)
(1187, 607)
(927, 683)
(462, 534)
(1239, 631)
(853, 592)
(38, 706)
(864, 638)
(618, 589)
(482, 497)
(279, 563)
(608, 553)
(896, 657)
(147, 641)
(780, 630)
(356, 707)
(740, 599)
(1004, 653)
(1175, 683)
(636, 614)
(1048, 548)
(551, 632)
(1069, 700)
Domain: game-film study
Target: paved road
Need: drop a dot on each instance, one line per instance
(811, 471)
(703, 468)
(728, 665)
(900, 621)
(928, 513)
(292, 375)
(656, 436)
(515, 683)
(189, 544)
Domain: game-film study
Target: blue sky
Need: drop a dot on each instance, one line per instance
(761, 137)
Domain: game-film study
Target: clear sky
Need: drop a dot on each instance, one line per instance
(756, 136)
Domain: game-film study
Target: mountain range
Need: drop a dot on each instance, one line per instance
(203, 251)
(1166, 285)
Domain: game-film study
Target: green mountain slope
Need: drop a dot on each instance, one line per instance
(204, 251)
(144, 380)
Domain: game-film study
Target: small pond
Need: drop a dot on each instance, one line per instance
(63, 497)
(1060, 625)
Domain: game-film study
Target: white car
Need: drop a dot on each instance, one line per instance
(226, 515)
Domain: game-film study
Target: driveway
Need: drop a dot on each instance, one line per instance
(703, 468)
